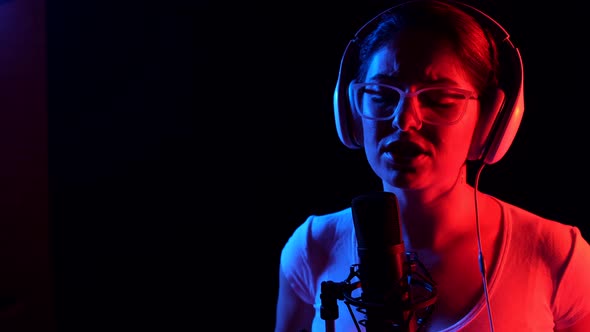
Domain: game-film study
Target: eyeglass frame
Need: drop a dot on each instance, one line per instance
(355, 86)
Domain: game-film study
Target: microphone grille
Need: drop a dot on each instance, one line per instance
(376, 220)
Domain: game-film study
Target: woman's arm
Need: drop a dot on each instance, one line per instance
(292, 313)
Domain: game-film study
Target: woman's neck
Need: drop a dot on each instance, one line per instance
(431, 219)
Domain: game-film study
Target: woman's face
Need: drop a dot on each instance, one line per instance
(406, 152)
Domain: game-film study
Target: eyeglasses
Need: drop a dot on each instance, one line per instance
(435, 105)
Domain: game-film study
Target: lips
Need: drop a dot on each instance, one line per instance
(404, 149)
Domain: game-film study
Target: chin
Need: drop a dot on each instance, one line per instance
(402, 179)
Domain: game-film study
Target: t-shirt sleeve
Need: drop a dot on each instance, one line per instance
(295, 262)
(572, 297)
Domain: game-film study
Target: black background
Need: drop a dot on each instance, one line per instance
(187, 140)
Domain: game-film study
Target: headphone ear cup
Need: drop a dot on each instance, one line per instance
(505, 128)
(497, 128)
(491, 106)
(348, 125)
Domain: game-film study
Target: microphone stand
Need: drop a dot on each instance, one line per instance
(331, 293)
(416, 309)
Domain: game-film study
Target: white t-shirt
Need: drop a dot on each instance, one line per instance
(542, 280)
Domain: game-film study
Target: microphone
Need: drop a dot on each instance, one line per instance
(382, 268)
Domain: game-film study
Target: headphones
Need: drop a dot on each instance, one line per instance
(494, 132)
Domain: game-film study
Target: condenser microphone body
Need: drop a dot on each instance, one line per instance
(382, 263)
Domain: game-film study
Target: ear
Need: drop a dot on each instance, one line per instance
(490, 107)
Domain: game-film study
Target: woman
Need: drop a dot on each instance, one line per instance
(428, 86)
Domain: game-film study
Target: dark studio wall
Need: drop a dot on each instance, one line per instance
(26, 275)
(125, 163)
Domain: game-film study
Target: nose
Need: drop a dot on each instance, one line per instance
(406, 115)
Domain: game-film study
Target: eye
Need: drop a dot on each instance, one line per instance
(442, 98)
(379, 94)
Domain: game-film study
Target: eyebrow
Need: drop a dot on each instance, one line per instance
(381, 77)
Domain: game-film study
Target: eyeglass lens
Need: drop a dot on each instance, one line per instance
(436, 104)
